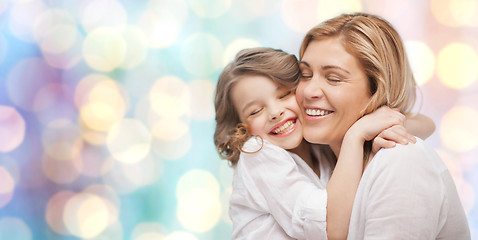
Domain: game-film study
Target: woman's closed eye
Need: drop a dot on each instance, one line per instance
(334, 78)
(305, 75)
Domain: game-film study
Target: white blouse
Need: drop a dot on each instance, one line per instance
(276, 195)
(406, 192)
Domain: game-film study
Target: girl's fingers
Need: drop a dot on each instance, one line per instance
(398, 134)
(379, 142)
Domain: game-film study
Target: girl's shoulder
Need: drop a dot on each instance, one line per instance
(257, 150)
(257, 144)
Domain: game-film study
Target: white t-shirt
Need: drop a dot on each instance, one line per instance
(276, 195)
(406, 192)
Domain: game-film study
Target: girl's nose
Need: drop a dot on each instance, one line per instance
(276, 114)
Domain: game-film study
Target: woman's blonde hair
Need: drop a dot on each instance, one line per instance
(380, 52)
(281, 67)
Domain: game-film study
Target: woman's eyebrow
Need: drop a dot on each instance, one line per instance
(305, 63)
(326, 67)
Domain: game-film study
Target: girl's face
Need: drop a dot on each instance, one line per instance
(332, 92)
(269, 110)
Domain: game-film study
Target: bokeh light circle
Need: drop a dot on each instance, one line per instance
(12, 129)
(249, 10)
(455, 13)
(299, 15)
(23, 16)
(7, 185)
(96, 161)
(148, 231)
(144, 172)
(209, 8)
(202, 54)
(169, 97)
(104, 49)
(54, 211)
(457, 65)
(172, 149)
(102, 13)
(162, 22)
(11, 165)
(14, 227)
(61, 140)
(3, 48)
(111, 198)
(331, 8)
(105, 102)
(23, 86)
(62, 172)
(422, 61)
(129, 141)
(202, 99)
(180, 236)
(199, 210)
(55, 31)
(177, 128)
(69, 58)
(126, 178)
(86, 215)
(136, 47)
(458, 129)
(234, 47)
(197, 179)
(3, 6)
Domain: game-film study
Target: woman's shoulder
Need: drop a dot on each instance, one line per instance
(412, 155)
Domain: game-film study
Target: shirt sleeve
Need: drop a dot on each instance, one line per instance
(403, 195)
(296, 203)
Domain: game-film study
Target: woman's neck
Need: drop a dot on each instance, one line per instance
(336, 148)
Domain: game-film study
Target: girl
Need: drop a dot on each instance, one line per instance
(280, 194)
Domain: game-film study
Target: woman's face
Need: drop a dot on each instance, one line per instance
(332, 92)
(269, 110)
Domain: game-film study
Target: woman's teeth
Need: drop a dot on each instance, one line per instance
(316, 112)
(284, 128)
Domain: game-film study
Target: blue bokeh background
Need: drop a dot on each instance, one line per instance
(107, 116)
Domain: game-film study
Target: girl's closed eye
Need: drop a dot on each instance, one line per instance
(286, 94)
(255, 112)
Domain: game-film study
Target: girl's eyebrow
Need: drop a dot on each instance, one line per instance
(247, 105)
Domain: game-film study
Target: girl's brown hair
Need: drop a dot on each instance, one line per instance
(231, 134)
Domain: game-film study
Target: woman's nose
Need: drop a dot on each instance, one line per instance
(314, 89)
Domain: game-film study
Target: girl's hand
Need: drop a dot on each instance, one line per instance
(373, 124)
(390, 136)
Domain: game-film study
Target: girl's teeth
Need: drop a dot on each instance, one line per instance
(284, 127)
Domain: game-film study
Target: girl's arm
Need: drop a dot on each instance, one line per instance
(345, 179)
(419, 125)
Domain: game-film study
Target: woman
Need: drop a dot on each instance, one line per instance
(350, 66)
